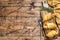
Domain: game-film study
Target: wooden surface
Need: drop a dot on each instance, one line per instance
(19, 20)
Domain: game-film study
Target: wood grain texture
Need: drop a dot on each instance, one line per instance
(19, 20)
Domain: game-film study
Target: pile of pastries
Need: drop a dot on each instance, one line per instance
(51, 21)
(49, 25)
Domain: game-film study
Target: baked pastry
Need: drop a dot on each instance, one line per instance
(57, 6)
(47, 16)
(58, 15)
(49, 25)
(53, 2)
(58, 20)
(59, 27)
(52, 33)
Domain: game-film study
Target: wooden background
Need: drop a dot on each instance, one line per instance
(19, 20)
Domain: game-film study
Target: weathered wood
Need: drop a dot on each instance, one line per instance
(19, 20)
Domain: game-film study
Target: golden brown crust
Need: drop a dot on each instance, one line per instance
(52, 33)
(47, 16)
(58, 15)
(58, 20)
(49, 25)
(59, 27)
(53, 2)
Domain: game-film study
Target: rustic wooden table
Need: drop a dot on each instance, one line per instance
(19, 20)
